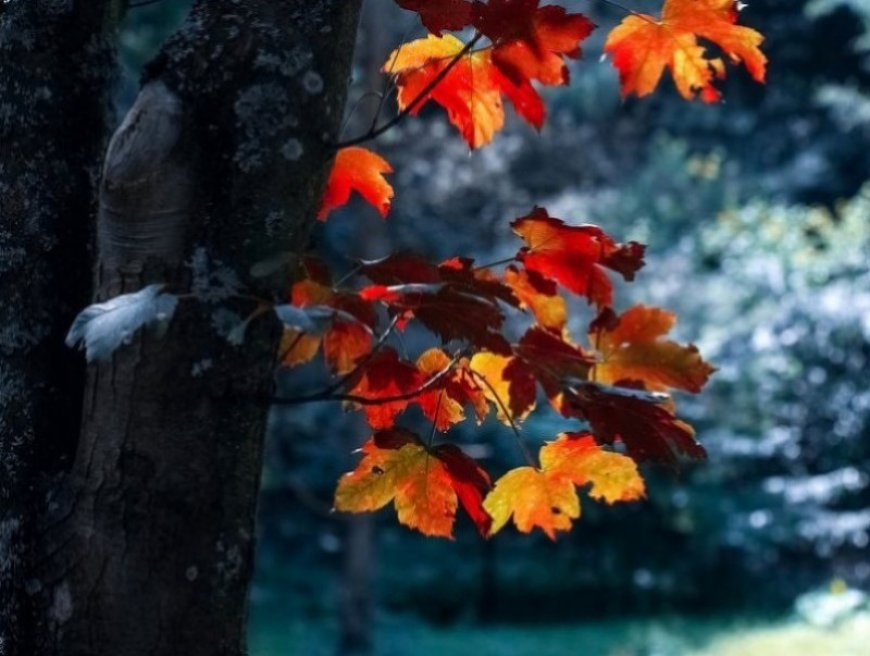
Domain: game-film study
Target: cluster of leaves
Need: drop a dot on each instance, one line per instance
(617, 384)
(527, 44)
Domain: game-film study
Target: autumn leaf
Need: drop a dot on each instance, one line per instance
(553, 360)
(442, 406)
(440, 15)
(384, 377)
(539, 295)
(470, 482)
(642, 47)
(471, 91)
(632, 348)
(510, 381)
(546, 498)
(297, 348)
(361, 170)
(453, 300)
(425, 486)
(644, 422)
(399, 269)
(533, 499)
(348, 337)
(454, 388)
(576, 456)
(576, 256)
(530, 41)
(417, 483)
(507, 382)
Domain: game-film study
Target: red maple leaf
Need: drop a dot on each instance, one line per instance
(361, 170)
(530, 41)
(440, 15)
(454, 300)
(644, 422)
(576, 256)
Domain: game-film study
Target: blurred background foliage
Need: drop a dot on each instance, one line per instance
(757, 214)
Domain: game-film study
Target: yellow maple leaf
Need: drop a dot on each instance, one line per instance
(614, 477)
(540, 296)
(546, 498)
(533, 498)
(508, 385)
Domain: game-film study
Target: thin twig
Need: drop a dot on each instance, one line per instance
(415, 103)
(327, 395)
(489, 265)
(507, 413)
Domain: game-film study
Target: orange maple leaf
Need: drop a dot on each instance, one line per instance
(348, 338)
(540, 295)
(613, 477)
(471, 91)
(530, 41)
(425, 485)
(361, 170)
(643, 46)
(632, 348)
(546, 498)
(443, 406)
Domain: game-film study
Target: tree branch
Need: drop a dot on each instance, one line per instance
(327, 394)
(508, 416)
(375, 132)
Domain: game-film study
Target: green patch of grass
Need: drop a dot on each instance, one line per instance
(672, 636)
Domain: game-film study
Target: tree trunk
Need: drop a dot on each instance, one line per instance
(56, 66)
(355, 637)
(212, 179)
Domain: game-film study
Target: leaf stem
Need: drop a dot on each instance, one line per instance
(328, 395)
(421, 97)
(507, 413)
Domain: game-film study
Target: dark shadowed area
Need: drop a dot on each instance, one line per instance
(757, 216)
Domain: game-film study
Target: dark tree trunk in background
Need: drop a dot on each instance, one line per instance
(56, 69)
(215, 174)
(356, 582)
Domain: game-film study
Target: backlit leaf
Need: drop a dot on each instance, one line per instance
(540, 295)
(530, 41)
(360, 170)
(642, 47)
(425, 486)
(471, 91)
(632, 348)
(417, 483)
(576, 256)
(613, 476)
(546, 498)
(509, 384)
(534, 499)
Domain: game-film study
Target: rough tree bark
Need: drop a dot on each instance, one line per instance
(213, 176)
(56, 67)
